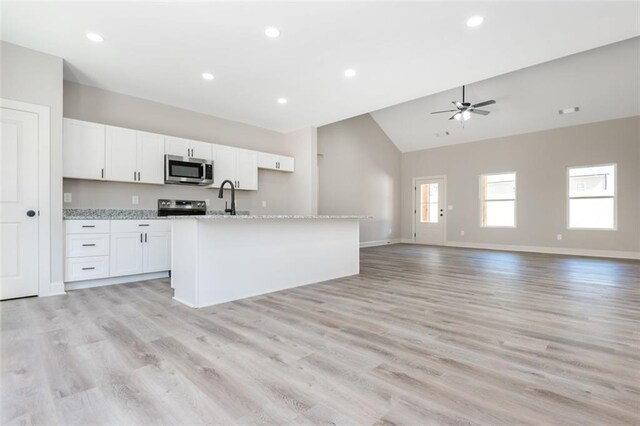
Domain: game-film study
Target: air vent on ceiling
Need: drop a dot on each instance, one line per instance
(568, 110)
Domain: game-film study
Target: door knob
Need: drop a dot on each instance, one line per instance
(31, 213)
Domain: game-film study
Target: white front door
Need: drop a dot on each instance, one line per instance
(18, 203)
(430, 211)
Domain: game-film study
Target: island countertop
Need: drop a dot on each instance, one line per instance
(268, 217)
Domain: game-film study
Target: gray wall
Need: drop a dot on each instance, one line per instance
(359, 173)
(540, 160)
(281, 191)
(34, 77)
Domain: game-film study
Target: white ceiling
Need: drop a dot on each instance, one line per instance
(401, 51)
(603, 82)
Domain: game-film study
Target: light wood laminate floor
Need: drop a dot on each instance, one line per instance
(423, 335)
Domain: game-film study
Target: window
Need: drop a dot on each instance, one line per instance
(429, 203)
(498, 200)
(592, 197)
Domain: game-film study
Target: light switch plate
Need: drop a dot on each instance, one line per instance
(264, 204)
(462, 233)
(449, 207)
(134, 199)
(68, 197)
(559, 237)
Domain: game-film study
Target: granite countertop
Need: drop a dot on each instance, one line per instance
(264, 217)
(123, 214)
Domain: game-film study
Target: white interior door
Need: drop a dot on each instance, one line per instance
(430, 211)
(18, 203)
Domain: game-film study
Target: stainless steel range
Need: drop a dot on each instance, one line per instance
(181, 207)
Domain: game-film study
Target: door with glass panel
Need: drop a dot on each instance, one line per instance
(430, 211)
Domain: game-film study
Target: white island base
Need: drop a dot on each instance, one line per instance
(225, 258)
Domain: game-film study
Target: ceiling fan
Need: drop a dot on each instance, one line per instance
(464, 109)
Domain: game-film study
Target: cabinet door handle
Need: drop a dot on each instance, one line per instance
(88, 226)
(102, 173)
(143, 224)
(88, 245)
(134, 176)
(145, 237)
(138, 176)
(87, 269)
(141, 237)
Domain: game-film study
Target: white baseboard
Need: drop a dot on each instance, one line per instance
(183, 302)
(616, 254)
(76, 285)
(549, 250)
(379, 243)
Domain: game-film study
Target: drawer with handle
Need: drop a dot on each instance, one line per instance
(155, 225)
(86, 226)
(86, 268)
(84, 245)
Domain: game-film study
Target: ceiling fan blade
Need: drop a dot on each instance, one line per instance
(457, 104)
(479, 111)
(449, 110)
(454, 115)
(481, 104)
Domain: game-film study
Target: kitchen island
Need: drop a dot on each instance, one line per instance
(217, 259)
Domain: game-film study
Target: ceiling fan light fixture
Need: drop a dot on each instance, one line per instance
(466, 115)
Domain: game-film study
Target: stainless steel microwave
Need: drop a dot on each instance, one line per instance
(187, 171)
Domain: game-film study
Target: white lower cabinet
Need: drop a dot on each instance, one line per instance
(156, 254)
(126, 253)
(116, 248)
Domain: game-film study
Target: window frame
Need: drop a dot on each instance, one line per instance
(482, 200)
(568, 197)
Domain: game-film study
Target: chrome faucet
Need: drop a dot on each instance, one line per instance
(232, 210)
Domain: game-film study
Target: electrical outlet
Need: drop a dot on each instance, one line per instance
(134, 199)
(449, 207)
(68, 197)
(559, 237)
(462, 233)
(207, 202)
(264, 204)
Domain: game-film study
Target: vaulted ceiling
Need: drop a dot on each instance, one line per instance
(604, 83)
(401, 51)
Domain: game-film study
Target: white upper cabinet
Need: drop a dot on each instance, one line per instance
(246, 169)
(177, 146)
(275, 162)
(187, 148)
(121, 154)
(150, 161)
(201, 150)
(240, 166)
(224, 165)
(133, 156)
(83, 150)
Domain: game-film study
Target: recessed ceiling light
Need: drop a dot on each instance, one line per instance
(272, 32)
(350, 73)
(568, 110)
(207, 76)
(95, 37)
(282, 101)
(474, 21)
